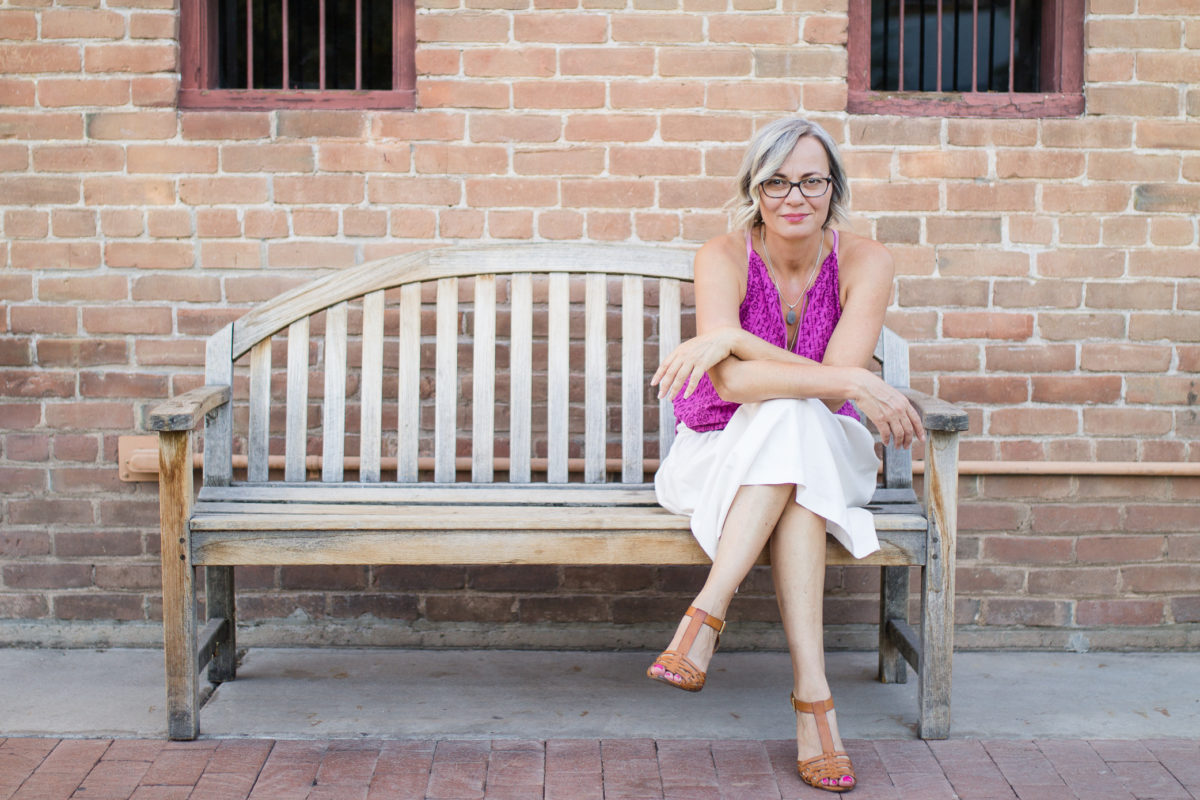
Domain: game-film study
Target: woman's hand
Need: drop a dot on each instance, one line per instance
(891, 413)
(688, 362)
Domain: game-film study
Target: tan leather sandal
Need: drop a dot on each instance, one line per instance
(676, 661)
(832, 765)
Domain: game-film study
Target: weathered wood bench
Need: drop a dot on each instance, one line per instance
(555, 459)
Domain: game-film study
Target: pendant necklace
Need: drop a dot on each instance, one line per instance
(791, 314)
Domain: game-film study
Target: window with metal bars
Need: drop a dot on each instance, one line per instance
(264, 54)
(1016, 58)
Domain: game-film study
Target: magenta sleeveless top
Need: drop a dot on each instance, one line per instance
(760, 314)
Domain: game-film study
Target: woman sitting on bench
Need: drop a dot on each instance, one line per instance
(769, 448)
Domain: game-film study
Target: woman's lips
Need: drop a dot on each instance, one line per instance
(795, 217)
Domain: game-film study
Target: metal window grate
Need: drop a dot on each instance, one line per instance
(305, 44)
(955, 45)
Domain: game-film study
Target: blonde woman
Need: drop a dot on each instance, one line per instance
(770, 449)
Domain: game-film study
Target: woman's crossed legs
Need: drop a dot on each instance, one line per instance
(760, 515)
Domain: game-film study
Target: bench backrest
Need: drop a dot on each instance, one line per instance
(550, 347)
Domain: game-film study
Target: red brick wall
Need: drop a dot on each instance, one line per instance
(1049, 279)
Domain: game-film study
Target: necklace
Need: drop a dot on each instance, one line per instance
(791, 314)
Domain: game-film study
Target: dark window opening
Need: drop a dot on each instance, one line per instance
(975, 45)
(302, 35)
(275, 53)
(978, 58)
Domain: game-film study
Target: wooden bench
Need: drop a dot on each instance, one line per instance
(550, 347)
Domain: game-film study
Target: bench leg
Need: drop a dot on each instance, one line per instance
(178, 578)
(893, 604)
(219, 599)
(937, 652)
(937, 586)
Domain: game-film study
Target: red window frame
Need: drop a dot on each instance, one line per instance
(198, 59)
(1061, 70)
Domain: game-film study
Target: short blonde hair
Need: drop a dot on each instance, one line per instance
(767, 151)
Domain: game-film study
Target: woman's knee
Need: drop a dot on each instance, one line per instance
(794, 512)
(757, 495)
(799, 527)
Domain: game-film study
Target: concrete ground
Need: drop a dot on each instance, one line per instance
(465, 694)
(493, 724)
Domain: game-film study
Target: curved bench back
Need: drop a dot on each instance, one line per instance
(530, 360)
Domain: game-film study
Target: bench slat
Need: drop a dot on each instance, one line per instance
(299, 517)
(267, 514)
(632, 324)
(892, 353)
(334, 417)
(668, 339)
(558, 377)
(371, 388)
(409, 383)
(478, 493)
(458, 493)
(451, 517)
(446, 381)
(218, 426)
(258, 435)
(483, 422)
(595, 378)
(633, 545)
(296, 435)
(520, 378)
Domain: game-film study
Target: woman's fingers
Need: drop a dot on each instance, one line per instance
(658, 374)
(687, 364)
(664, 377)
(896, 419)
(908, 427)
(905, 436)
(680, 377)
(918, 426)
(694, 381)
(670, 388)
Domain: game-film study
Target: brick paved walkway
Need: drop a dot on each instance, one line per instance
(263, 769)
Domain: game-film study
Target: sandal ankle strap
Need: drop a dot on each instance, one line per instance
(812, 708)
(818, 710)
(699, 617)
(708, 619)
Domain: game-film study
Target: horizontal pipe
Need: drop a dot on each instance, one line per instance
(147, 461)
(1137, 469)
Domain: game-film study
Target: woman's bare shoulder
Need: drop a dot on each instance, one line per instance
(722, 253)
(860, 255)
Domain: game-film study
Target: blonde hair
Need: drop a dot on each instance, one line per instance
(767, 151)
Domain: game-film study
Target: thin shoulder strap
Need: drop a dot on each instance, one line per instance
(749, 246)
(835, 242)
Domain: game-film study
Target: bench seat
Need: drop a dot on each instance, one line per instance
(481, 524)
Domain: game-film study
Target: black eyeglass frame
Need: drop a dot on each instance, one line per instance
(824, 179)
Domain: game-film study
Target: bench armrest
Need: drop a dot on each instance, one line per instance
(184, 413)
(936, 415)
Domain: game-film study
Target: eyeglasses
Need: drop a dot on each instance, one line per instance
(812, 186)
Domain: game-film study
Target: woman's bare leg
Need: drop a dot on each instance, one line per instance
(752, 517)
(798, 568)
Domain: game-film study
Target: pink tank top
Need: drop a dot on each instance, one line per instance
(760, 314)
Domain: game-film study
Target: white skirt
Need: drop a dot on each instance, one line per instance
(829, 457)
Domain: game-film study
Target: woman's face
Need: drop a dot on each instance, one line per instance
(796, 215)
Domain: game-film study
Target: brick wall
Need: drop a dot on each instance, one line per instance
(1049, 279)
